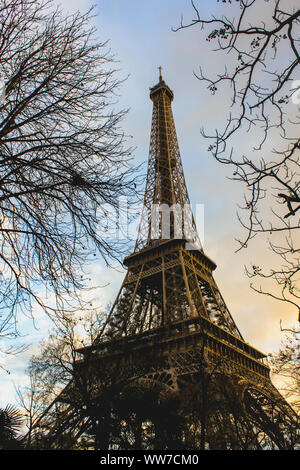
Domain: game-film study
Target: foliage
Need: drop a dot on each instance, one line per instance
(11, 421)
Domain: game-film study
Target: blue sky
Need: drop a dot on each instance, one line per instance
(141, 38)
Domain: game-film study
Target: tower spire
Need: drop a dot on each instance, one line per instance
(160, 75)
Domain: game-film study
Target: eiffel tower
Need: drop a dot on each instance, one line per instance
(169, 325)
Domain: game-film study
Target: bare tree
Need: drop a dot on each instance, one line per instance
(286, 366)
(259, 42)
(69, 402)
(62, 155)
(51, 370)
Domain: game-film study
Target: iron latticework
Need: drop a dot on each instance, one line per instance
(169, 277)
(165, 186)
(169, 327)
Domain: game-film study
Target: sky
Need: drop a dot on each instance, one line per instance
(141, 38)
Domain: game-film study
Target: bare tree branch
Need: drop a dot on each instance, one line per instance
(62, 155)
(262, 68)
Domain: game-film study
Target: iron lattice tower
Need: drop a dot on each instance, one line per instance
(169, 277)
(169, 324)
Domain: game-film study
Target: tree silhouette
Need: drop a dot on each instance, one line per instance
(62, 157)
(259, 49)
(11, 421)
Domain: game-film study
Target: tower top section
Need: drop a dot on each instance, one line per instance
(161, 87)
(167, 212)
